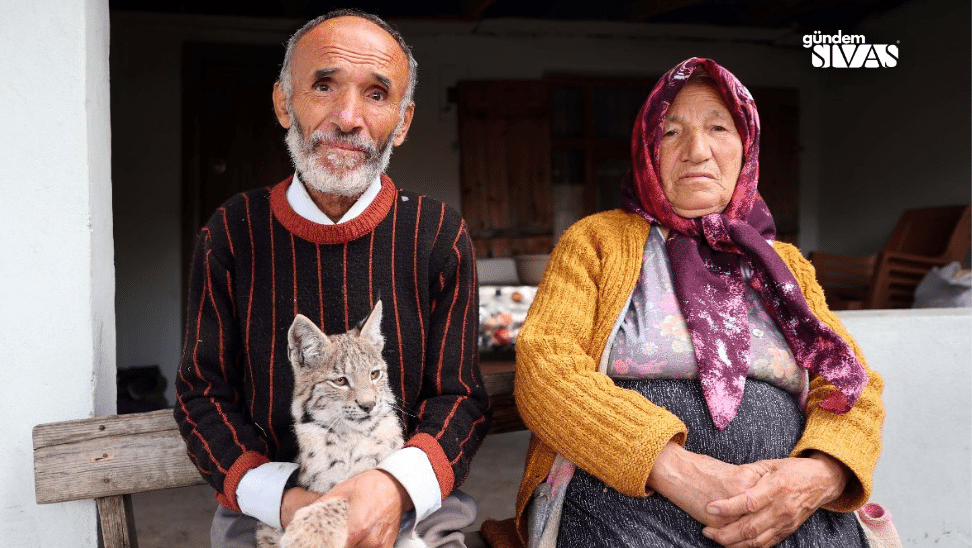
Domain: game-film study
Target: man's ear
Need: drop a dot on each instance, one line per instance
(406, 123)
(280, 105)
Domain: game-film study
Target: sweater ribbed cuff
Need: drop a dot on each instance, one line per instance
(247, 461)
(440, 463)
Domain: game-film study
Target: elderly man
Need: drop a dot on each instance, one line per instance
(328, 243)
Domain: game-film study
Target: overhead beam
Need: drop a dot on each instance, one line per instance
(474, 8)
(642, 10)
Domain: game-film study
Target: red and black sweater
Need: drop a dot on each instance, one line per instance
(257, 264)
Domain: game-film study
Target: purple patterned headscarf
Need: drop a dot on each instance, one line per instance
(707, 254)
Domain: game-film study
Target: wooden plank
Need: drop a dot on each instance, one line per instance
(86, 463)
(506, 417)
(103, 427)
(498, 380)
(117, 521)
(499, 383)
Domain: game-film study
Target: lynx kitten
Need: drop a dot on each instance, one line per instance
(345, 421)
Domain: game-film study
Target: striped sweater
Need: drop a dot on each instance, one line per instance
(257, 264)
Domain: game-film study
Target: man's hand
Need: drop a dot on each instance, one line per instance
(376, 502)
(294, 499)
(788, 491)
(692, 481)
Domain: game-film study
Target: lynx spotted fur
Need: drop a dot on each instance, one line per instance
(345, 422)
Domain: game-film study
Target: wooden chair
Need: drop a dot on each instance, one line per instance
(922, 239)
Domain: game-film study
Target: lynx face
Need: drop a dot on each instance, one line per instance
(341, 379)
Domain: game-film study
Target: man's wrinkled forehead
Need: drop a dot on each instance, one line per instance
(355, 40)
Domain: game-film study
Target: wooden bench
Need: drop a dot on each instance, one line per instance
(110, 458)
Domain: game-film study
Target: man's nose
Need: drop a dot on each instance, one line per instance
(347, 115)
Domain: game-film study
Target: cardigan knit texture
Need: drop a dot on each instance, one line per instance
(258, 263)
(616, 434)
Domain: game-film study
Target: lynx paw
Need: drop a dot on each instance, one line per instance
(320, 525)
(266, 536)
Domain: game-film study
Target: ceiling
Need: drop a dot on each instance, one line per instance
(823, 15)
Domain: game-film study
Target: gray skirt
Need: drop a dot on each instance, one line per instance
(767, 426)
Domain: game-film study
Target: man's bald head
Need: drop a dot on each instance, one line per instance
(286, 79)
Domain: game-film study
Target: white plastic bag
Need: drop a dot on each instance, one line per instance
(945, 287)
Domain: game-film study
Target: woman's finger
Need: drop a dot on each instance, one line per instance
(749, 501)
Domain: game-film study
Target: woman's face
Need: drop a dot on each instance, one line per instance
(700, 153)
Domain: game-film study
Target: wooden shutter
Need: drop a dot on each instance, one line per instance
(504, 135)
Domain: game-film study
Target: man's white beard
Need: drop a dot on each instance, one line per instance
(344, 180)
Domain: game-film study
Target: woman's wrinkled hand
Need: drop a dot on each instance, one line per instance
(787, 493)
(692, 482)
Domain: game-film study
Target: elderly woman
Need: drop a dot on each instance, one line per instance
(684, 381)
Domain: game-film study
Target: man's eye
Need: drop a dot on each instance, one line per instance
(320, 86)
(377, 95)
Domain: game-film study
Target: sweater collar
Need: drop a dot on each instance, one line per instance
(300, 200)
(355, 228)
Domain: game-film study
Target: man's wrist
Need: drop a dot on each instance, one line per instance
(294, 499)
(260, 491)
(413, 471)
(403, 497)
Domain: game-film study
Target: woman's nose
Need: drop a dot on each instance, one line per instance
(696, 148)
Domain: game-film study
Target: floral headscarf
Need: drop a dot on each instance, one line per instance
(707, 255)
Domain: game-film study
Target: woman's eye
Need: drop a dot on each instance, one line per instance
(669, 133)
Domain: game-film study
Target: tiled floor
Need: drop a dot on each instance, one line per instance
(181, 517)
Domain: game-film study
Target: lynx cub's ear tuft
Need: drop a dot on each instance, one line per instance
(306, 341)
(371, 328)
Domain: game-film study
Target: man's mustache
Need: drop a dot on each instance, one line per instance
(321, 136)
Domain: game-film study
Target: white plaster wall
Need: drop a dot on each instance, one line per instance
(56, 302)
(923, 477)
(898, 138)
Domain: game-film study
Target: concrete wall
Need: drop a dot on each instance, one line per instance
(923, 477)
(56, 302)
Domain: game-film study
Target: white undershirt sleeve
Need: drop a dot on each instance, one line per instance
(260, 491)
(413, 469)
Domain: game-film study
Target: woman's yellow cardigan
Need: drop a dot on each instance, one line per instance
(616, 434)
